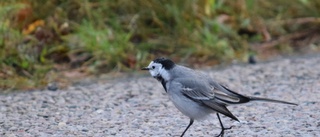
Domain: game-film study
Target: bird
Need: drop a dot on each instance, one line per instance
(196, 94)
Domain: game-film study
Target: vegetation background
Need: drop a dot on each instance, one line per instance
(61, 41)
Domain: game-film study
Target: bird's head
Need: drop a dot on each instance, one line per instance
(160, 67)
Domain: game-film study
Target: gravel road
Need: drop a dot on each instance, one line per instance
(138, 106)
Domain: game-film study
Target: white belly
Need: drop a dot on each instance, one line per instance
(190, 108)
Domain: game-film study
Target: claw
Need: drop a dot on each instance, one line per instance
(222, 131)
(222, 127)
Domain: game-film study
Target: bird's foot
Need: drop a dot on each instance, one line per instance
(222, 131)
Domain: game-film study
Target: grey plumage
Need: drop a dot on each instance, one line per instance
(196, 94)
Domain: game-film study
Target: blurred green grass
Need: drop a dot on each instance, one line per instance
(55, 41)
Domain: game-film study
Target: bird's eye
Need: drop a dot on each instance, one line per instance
(153, 67)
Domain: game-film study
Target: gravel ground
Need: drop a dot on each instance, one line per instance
(138, 106)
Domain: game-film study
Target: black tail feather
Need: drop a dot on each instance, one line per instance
(271, 100)
(245, 99)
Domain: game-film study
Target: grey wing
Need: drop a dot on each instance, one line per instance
(225, 95)
(196, 89)
(201, 92)
(218, 92)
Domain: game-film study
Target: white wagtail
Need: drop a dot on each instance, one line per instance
(195, 94)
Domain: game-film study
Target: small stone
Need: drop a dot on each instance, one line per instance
(13, 128)
(252, 59)
(52, 86)
(99, 111)
(72, 106)
(256, 93)
(62, 124)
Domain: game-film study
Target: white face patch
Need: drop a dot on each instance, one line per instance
(156, 70)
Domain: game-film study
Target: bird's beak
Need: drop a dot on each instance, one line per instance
(145, 68)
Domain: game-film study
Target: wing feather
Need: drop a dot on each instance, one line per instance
(198, 90)
(202, 93)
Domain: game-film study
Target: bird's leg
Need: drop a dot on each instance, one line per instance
(190, 123)
(222, 127)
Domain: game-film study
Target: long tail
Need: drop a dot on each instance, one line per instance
(270, 100)
(236, 98)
